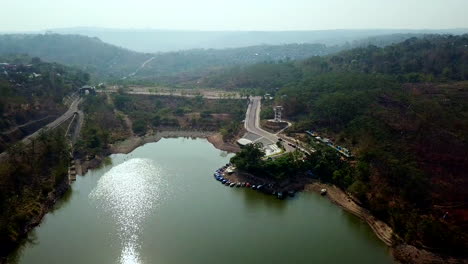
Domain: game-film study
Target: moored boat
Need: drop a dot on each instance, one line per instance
(323, 191)
(280, 195)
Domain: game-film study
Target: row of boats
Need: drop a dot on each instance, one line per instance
(266, 188)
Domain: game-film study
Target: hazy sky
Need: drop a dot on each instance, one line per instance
(19, 15)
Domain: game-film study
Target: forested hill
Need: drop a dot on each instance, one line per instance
(429, 58)
(402, 110)
(32, 94)
(199, 61)
(89, 54)
(106, 62)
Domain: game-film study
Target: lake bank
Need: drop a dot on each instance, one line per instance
(123, 147)
(405, 253)
(190, 217)
(128, 145)
(52, 198)
(401, 251)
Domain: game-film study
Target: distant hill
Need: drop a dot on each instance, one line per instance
(429, 58)
(89, 54)
(173, 66)
(175, 40)
(106, 61)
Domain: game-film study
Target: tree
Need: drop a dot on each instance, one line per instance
(139, 126)
(249, 158)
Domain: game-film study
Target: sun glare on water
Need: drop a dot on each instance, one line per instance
(128, 193)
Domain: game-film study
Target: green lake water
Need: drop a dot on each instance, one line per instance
(161, 204)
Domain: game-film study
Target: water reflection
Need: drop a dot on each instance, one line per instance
(128, 193)
(255, 200)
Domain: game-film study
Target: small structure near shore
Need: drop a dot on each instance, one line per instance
(278, 113)
(230, 169)
(323, 191)
(85, 90)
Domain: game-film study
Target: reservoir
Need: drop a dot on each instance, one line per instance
(161, 204)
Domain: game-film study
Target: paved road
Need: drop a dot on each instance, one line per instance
(252, 122)
(57, 122)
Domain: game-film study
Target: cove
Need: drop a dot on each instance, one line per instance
(161, 204)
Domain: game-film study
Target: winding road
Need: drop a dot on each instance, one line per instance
(57, 122)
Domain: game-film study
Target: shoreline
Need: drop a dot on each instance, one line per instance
(130, 144)
(123, 147)
(134, 142)
(401, 252)
(48, 206)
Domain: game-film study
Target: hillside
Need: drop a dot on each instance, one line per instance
(32, 93)
(179, 67)
(402, 110)
(106, 62)
(89, 54)
(429, 58)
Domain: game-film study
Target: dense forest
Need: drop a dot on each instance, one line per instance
(427, 59)
(31, 177)
(402, 110)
